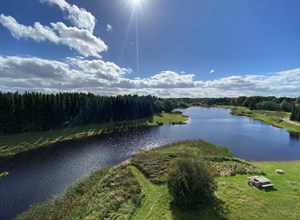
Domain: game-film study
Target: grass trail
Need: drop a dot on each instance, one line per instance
(155, 204)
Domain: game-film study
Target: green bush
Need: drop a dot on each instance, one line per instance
(191, 183)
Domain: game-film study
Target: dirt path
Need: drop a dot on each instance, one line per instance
(292, 122)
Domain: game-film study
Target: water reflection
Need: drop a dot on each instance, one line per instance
(294, 136)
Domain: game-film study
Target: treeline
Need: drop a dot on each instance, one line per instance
(42, 112)
(295, 116)
(269, 103)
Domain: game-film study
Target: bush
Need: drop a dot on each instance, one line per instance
(191, 183)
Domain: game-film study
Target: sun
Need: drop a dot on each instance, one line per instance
(136, 3)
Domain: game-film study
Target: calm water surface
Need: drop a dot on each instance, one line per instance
(42, 175)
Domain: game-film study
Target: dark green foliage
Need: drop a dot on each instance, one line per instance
(42, 112)
(191, 183)
(270, 103)
(295, 116)
(167, 105)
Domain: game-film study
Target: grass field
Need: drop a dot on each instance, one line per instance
(131, 190)
(275, 118)
(245, 202)
(18, 143)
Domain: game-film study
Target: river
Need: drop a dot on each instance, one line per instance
(44, 174)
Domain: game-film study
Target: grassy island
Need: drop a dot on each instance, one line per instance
(137, 189)
(13, 144)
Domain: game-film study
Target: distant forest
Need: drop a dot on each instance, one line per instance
(42, 112)
(269, 103)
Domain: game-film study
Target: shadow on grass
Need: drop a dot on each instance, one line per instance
(271, 189)
(216, 210)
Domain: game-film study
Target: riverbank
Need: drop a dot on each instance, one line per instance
(275, 118)
(14, 144)
(137, 189)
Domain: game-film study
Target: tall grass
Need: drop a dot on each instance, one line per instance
(110, 193)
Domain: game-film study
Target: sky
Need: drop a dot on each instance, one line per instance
(166, 48)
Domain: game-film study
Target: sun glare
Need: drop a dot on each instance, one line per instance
(136, 3)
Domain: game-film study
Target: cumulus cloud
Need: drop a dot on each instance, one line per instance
(78, 16)
(109, 27)
(81, 40)
(107, 78)
(100, 69)
(38, 32)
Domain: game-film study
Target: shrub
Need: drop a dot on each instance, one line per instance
(191, 183)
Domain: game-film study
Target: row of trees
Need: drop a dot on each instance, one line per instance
(270, 103)
(42, 112)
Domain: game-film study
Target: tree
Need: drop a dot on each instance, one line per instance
(295, 115)
(191, 182)
(285, 106)
(167, 105)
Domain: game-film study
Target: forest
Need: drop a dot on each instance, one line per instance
(42, 112)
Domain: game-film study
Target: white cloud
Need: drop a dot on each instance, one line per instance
(109, 27)
(100, 69)
(78, 16)
(38, 32)
(106, 78)
(81, 40)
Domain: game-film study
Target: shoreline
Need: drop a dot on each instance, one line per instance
(274, 118)
(15, 144)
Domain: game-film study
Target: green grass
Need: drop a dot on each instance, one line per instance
(245, 202)
(129, 192)
(155, 204)
(276, 118)
(110, 193)
(13, 144)
(154, 164)
(168, 118)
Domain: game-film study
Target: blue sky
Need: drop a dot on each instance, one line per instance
(168, 48)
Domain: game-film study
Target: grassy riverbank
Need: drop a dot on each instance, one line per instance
(137, 189)
(275, 118)
(13, 144)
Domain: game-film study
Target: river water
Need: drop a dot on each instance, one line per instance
(44, 174)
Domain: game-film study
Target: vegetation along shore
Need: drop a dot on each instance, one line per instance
(33, 120)
(13, 144)
(140, 189)
(276, 118)
(282, 112)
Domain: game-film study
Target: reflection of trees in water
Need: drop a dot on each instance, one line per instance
(294, 140)
(294, 136)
